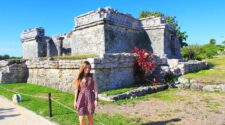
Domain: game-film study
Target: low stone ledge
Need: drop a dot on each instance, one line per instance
(140, 91)
(193, 85)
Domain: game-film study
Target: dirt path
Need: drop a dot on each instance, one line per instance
(12, 114)
(193, 108)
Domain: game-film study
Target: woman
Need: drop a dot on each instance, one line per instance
(86, 95)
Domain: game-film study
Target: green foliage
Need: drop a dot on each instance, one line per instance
(2, 57)
(200, 52)
(170, 78)
(212, 41)
(223, 42)
(169, 19)
(192, 52)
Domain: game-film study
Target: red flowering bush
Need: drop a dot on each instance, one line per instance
(144, 63)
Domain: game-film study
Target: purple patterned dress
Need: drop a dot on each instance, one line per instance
(86, 98)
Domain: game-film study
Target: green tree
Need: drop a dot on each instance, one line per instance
(212, 41)
(171, 20)
(223, 42)
(192, 52)
(4, 57)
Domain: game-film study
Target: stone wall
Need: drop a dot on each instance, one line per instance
(192, 66)
(113, 32)
(163, 38)
(13, 71)
(111, 70)
(124, 39)
(180, 67)
(177, 67)
(171, 44)
(33, 43)
(88, 40)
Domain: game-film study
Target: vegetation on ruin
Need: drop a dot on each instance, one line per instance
(74, 57)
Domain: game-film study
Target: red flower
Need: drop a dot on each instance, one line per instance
(144, 59)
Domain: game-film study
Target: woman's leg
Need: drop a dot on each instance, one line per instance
(90, 120)
(82, 120)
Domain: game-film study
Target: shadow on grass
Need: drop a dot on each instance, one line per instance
(211, 65)
(163, 122)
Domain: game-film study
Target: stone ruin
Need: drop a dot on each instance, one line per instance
(106, 32)
(35, 44)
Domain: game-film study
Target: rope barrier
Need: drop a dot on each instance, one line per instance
(65, 106)
(23, 93)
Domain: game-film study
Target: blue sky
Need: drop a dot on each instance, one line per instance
(201, 19)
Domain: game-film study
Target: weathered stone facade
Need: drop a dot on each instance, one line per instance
(114, 32)
(177, 67)
(111, 71)
(35, 44)
(13, 71)
(105, 31)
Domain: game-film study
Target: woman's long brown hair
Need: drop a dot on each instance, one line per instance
(81, 74)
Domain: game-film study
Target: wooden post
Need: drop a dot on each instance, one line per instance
(50, 104)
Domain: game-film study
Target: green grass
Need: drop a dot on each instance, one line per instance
(74, 57)
(117, 91)
(123, 89)
(61, 114)
(213, 105)
(168, 95)
(214, 75)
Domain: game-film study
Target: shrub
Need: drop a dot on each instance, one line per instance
(192, 52)
(144, 64)
(200, 52)
(170, 78)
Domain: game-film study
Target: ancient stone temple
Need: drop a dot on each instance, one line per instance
(105, 31)
(111, 35)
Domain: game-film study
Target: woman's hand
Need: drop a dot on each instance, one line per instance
(75, 105)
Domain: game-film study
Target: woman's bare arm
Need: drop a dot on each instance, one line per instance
(95, 88)
(75, 94)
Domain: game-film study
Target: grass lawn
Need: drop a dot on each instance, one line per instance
(214, 75)
(123, 89)
(61, 114)
(168, 95)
